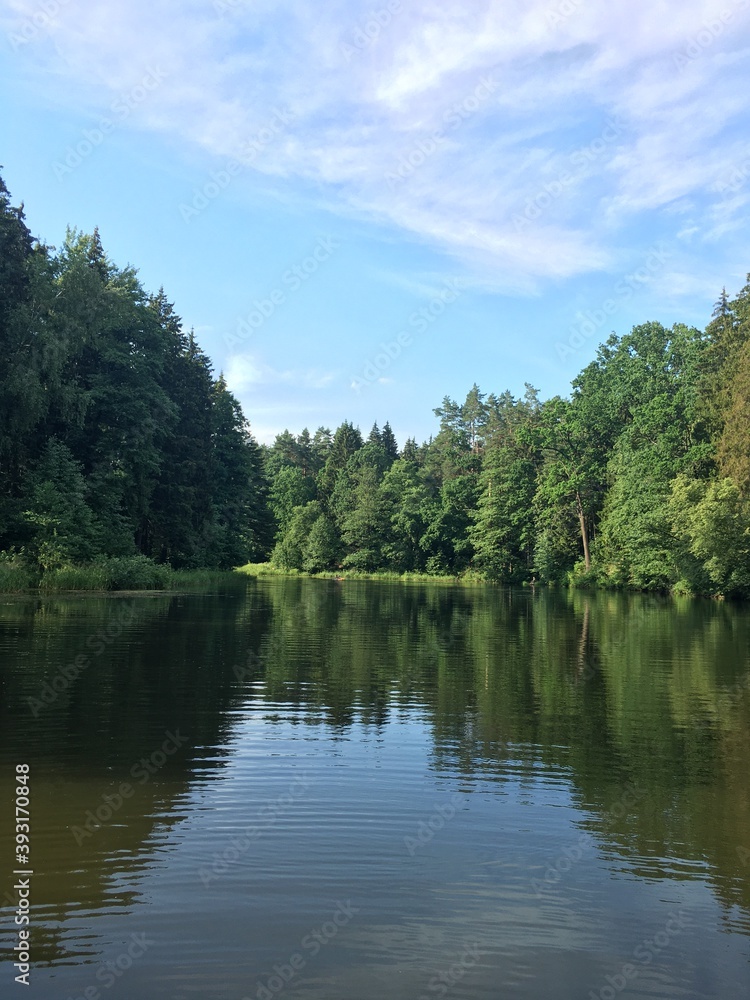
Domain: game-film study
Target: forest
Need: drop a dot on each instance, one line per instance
(116, 439)
(120, 447)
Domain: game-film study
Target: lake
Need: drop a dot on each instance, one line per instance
(359, 790)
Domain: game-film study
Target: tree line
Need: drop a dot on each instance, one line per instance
(640, 479)
(117, 440)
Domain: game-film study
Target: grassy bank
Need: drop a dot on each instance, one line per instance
(16, 577)
(133, 573)
(577, 579)
(268, 569)
(123, 573)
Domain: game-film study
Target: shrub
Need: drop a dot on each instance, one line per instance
(135, 573)
(15, 573)
(115, 573)
(89, 577)
(582, 578)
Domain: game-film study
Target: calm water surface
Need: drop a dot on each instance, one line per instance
(308, 789)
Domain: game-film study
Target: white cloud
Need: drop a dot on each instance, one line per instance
(245, 370)
(241, 372)
(358, 116)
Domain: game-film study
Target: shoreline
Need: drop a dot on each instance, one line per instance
(267, 570)
(87, 580)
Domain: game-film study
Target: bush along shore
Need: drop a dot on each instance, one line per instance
(575, 579)
(269, 569)
(116, 574)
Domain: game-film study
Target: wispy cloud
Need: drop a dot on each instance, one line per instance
(246, 370)
(556, 81)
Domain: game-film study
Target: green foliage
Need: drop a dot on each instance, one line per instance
(446, 538)
(346, 441)
(182, 502)
(60, 522)
(363, 527)
(16, 574)
(556, 541)
(734, 442)
(115, 439)
(85, 577)
(206, 579)
(123, 459)
(290, 489)
(124, 573)
(290, 551)
(323, 546)
(503, 527)
(241, 526)
(135, 573)
(265, 569)
(726, 336)
(635, 547)
(585, 579)
(712, 523)
(407, 506)
(583, 491)
(503, 532)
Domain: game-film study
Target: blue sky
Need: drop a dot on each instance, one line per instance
(362, 207)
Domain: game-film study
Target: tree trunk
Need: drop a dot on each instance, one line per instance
(584, 637)
(584, 534)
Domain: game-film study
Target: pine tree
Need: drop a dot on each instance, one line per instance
(346, 441)
(31, 357)
(181, 508)
(242, 526)
(363, 527)
(388, 441)
(61, 523)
